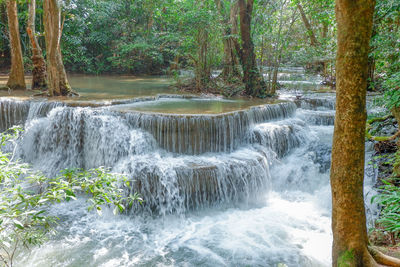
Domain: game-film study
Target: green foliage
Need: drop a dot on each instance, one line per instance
(120, 36)
(138, 56)
(385, 47)
(103, 187)
(22, 208)
(27, 195)
(392, 91)
(389, 198)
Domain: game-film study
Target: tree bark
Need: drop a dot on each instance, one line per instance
(202, 71)
(230, 69)
(371, 74)
(16, 79)
(39, 73)
(57, 79)
(354, 24)
(252, 78)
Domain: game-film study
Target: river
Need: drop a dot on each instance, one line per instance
(225, 182)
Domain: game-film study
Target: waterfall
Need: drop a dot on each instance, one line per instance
(17, 112)
(197, 134)
(176, 162)
(87, 138)
(178, 184)
(281, 136)
(316, 103)
(317, 117)
(250, 187)
(13, 112)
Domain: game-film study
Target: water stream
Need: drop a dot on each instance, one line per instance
(233, 186)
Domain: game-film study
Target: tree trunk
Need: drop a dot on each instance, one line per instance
(371, 73)
(39, 74)
(274, 82)
(354, 24)
(277, 54)
(310, 32)
(202, 72)
(57, 79)
(371, 63)
(16, 79)
(273, 86)
(230, 69)
(319, 66)
(252, 78)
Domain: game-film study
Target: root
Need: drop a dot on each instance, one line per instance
(73, 93)
(379, 138)
(215, 86)
(383, 259)
(378, 119)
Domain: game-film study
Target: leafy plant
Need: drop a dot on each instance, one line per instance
(392, 92)
(389, 198)
(26, 196)
(102, 187)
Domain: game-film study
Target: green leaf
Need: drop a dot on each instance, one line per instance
(18, 224)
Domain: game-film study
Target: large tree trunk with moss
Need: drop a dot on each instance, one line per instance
(230, 69)
(252, 78)
(16, 79)
(39, 74)
(354, 24)
(57, 79)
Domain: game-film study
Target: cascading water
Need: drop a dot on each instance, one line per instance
(169, 181)
(245, 188)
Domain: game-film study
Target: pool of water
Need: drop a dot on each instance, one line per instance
(145, 92)
(177, 105)
(107, 87)
(116, 87)
(92, 87)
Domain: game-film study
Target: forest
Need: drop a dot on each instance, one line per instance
(200, 133)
